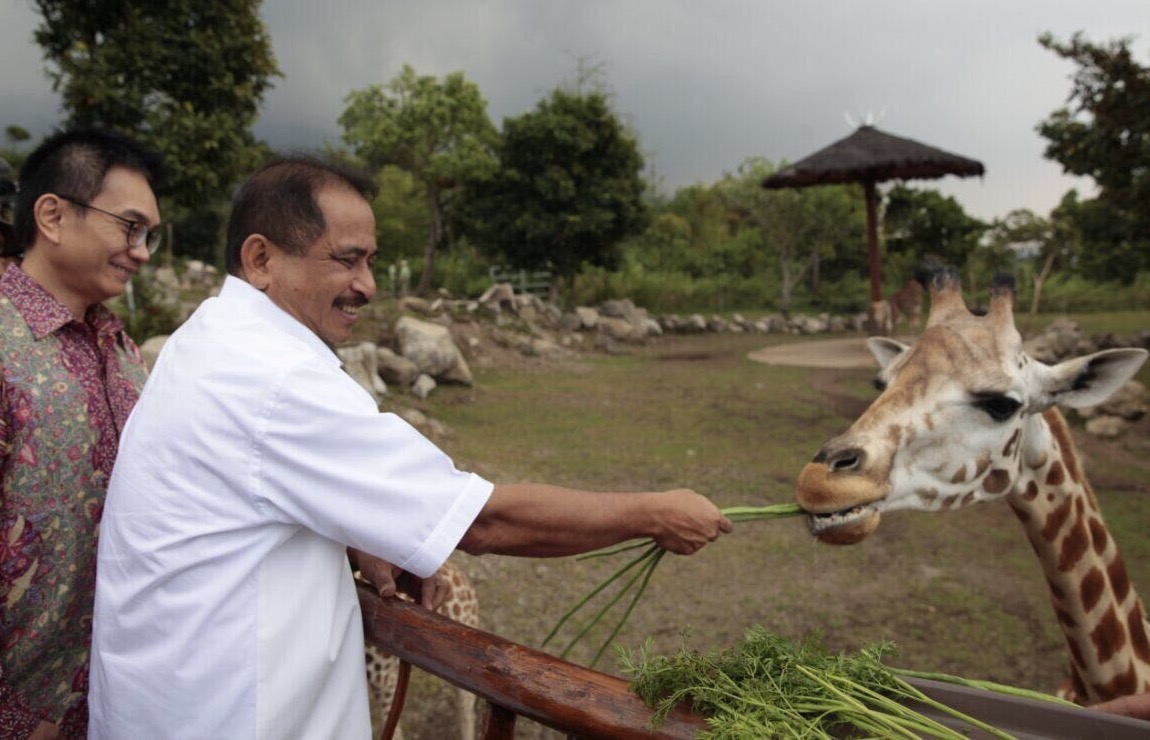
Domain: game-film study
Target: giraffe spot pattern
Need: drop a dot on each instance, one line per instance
(1098, 535)
(959, 476)
(1092, 588)
(1056, 476)
(996, 481)
(981, 466)
(1055, 521)
(1124, 684)
(1109, 636)
(1074, 546)
(1136, 621)
(1011, 448)
(1119, 580)
(1076, 657)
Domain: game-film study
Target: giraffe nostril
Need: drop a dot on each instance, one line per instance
(842, 460)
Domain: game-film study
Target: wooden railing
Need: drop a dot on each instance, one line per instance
(515, 680)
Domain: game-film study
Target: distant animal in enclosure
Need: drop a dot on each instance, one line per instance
(906, 306)
(966, 416)
(462, 605)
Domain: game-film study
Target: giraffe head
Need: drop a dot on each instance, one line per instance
(957, 420)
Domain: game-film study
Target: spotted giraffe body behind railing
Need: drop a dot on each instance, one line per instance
(462, 605)
(966, 416)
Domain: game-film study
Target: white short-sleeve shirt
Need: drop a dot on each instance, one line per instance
(225, 606)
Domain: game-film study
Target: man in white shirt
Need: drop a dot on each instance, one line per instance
(225, 606)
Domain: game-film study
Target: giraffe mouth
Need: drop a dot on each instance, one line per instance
(834, 521)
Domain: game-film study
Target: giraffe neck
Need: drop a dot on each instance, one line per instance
(1097, 607)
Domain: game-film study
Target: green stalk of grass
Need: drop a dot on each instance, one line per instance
(645, 562)
(985, 686)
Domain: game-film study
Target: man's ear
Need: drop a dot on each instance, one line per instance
(48, 211)
(256, 255)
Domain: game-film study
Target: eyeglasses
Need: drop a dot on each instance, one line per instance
(139, 235)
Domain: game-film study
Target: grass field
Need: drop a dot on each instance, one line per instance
(959, 593)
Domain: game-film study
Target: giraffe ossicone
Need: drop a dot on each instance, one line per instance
(964, 416)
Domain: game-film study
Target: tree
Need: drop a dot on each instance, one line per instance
(436, 130)
(922, 224)
(568, 189)
(184, 76)
(795, 228)
(1104, 134)
(1033, 238)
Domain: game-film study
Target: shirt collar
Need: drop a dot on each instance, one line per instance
(240, 291)
(44, 313)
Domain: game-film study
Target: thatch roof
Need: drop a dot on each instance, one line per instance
(870, 155)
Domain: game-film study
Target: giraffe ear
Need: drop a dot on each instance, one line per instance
(1090, 380)
(885, 349)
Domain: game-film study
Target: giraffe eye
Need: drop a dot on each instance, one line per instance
(879, 384)
(999, 408)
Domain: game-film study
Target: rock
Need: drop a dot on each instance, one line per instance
(1130, 402)
(588, 317)
(423, 386)
(1106, 426)
(150, 350)
(431, 348)
(394, 368)
(618, 329)
(1062, 339)
(359, 360)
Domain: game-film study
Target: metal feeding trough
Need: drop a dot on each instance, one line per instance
(1026, 719)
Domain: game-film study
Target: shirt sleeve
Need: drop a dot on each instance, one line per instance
(326, 458)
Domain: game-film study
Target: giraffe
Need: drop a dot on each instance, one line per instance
(906, 306)
(966, 416)
(462, 605)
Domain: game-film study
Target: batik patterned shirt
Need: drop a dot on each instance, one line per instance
(66, 389)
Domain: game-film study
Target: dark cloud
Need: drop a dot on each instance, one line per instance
(705, 85)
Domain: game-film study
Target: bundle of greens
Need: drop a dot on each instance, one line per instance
(636, 573)
(771, 687)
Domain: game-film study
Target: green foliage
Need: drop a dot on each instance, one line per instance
(1066, 293)
(436, 131)
(796, 228)
(674, 292)
(186, 77)
(771, 687)
(921, 224)
(143, 313)
(463, 271)
(200, 235)
(1104, 133)
(567, 190)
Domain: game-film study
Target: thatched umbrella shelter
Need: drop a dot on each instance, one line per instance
(869, 156)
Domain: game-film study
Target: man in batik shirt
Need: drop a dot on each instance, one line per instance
(86, 219)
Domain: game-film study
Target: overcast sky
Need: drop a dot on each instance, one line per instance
(705, 83)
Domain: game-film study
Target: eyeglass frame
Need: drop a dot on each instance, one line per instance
(146, 241)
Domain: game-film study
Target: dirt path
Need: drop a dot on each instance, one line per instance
(850, 352)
